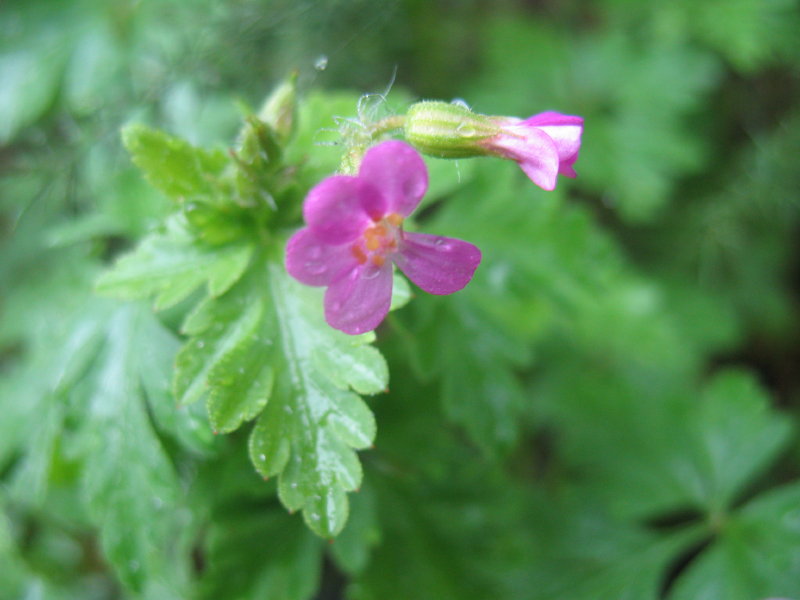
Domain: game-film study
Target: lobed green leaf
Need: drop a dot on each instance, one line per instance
(172, 165)
(172, 264)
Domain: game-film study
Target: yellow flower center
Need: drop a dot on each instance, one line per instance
(378, 240)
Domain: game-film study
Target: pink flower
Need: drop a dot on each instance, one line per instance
(355, 235)
(545, 145)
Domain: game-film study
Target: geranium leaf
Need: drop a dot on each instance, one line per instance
(311, 426)
(755, 554)
(172, 264)
(263, 348)
(172, 165)
(116, 432)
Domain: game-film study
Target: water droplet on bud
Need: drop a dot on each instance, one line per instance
(465, 130)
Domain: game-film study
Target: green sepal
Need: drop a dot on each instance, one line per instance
(447, 130)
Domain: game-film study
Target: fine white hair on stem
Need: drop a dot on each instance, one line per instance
(368, 108)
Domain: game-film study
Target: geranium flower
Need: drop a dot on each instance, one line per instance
(355, 234)
(544, 145)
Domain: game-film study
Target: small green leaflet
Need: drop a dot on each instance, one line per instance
(172, 165)
(171, 264)
(755, 554)
(263, 348)
(591, 557)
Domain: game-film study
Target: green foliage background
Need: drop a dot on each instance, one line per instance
(608, 411)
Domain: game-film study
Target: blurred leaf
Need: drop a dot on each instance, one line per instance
(749, 33)
(418, 536)
(589, 557)
(95, 67)
(116, 432)
(634, 156)
(353, 547)
(755, 554)
(635, 97)
(739, 435)
(30, 72)
(263, 554)
(480, 390)
(12, 572)
(660, 451)
(188, 425)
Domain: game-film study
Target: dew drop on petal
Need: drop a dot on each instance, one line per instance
(262, 457)
(371, 274)
(293, 485)
(314, 268)
(314, 517)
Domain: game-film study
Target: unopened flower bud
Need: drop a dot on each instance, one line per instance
(448, 130)
(278, 110)
(544, 145)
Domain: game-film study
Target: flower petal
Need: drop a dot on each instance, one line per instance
(439, 265)
(533, 149)
(565, 167)
(553, 118)
(338, 208)
(359, 301)
(313, 262)
(564, 130)
(399, 172)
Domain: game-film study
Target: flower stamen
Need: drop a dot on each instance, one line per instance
(359, 254)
